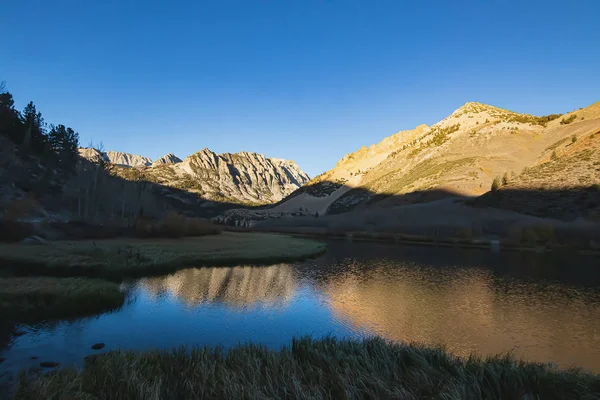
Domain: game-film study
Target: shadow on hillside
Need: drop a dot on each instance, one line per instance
(521, 217)
(97, 197)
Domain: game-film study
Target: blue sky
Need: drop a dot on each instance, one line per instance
(305, 80)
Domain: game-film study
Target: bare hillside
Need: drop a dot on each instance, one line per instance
(458, 156)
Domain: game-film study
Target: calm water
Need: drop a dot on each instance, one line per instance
(540, 308)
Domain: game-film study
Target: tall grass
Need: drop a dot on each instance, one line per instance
(310, 369)
(116, 259)
(31, 298)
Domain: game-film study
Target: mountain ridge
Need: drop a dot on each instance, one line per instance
(245, 177)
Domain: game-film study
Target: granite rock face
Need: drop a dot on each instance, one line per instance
(242, 178)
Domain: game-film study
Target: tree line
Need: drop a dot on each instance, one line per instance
(56, 144)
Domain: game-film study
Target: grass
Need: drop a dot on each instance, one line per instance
(120, 258)
(24, 299)
(309, 369)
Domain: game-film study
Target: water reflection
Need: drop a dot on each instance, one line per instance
(237, 286)
(540, 308)
(470, 310)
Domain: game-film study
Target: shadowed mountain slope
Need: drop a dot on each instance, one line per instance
(460, 155)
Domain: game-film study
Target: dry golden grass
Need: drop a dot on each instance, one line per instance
(128, 257)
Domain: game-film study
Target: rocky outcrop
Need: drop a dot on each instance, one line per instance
(244, 177)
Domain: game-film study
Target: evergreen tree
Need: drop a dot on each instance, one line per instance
(496, 184)
(505, 179)
(34, 137)
(64, 142)
(10, 119)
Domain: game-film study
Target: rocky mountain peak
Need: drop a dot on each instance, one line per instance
(127, 159)
(168, 158)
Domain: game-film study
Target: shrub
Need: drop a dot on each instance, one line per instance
(144, 227)
(568, 120)
(554, 156)
(538, 234)
(201, 227)
(573, 138)
(172, 225)
(505, 179)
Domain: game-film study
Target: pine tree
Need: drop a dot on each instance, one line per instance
(34, 137)
(505, 179)
(10, 119)
(64, 142)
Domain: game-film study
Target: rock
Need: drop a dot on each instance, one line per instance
(34, 357)
(35, 240)
(98, 346)
(49, 364)
(2, 359)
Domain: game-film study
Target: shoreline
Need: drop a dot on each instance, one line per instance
(309, 368)
(122, 258)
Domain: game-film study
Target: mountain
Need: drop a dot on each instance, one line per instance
(128, 160)
(458, 156)
(168, 158)
(243, 178)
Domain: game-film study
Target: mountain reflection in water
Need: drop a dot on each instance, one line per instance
(237, 286)
(542, 308)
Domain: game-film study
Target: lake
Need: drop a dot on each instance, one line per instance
(539, 307)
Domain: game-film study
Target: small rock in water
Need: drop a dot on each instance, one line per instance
(49, 364)
(34, 357)
(98, 346)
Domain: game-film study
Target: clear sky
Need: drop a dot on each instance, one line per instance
(308, 80)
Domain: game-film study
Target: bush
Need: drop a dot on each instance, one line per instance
(538, 234)
(568, 120)
(144, 227)
(173, 225)
(573, 138)
(201, 227)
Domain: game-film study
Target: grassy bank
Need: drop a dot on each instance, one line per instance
(25, 299)
(312, 369)
(127, 257)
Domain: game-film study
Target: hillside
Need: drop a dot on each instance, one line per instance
(458, 156)
(243, 178)
(564, 182)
